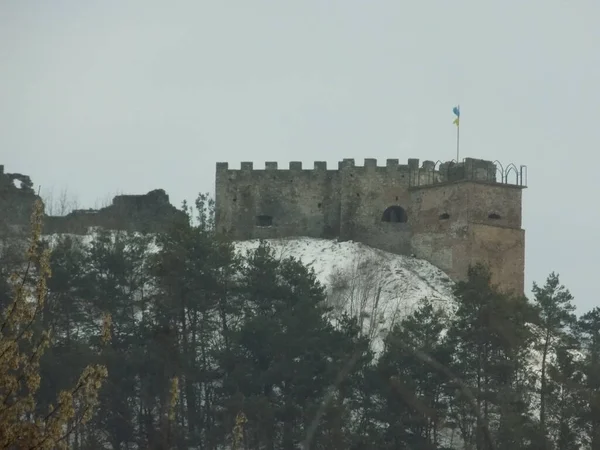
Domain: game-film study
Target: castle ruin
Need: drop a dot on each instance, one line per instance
(452, 214)
(149, 213)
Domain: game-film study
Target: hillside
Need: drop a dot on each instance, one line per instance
(378, 286)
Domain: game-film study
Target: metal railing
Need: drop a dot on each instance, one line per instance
(443, 172)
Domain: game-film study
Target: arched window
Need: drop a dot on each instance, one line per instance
(494, 216)
(395, 214)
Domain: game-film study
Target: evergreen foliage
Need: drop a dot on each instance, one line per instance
(209, 349)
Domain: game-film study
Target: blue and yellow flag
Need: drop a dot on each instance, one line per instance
(456, 111)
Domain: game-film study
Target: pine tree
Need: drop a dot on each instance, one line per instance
(564, 401)
(414, 391)
(66, 315)
(286, 357)
(491, 339)
(115, 282)
(553, 301)
(589, 330)
(347, 405)
(192, 275)
(66, 309)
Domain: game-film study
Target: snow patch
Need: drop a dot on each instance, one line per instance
(379, 287)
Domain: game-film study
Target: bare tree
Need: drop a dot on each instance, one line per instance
(357, 291)
(61, 204)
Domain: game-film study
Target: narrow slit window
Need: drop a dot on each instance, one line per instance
(264, 221)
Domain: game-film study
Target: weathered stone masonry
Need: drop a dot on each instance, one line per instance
(151, 212)
(451, 214)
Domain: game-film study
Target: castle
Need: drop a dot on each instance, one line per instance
(452, 214)
(151, 212)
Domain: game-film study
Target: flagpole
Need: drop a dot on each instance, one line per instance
(458, 138)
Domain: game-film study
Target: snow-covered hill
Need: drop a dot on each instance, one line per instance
(378, 286)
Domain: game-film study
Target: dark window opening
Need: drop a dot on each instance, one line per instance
(444, 216)
(357, 194)
(396, 198)
(264, 221)
(493, 216)
(395, 214)
(234, 199)
(319, 205)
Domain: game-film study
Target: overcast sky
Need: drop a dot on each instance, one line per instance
(105, 97)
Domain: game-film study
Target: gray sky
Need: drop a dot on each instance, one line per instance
(109, 96)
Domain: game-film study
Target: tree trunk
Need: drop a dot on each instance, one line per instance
(189, 357)
(543, 384)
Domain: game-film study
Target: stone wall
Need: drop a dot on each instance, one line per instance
(442, 212)
(503, 249)
(464, 222)
(273, 203)
(151, 212)
(367, 192)
(16, 201)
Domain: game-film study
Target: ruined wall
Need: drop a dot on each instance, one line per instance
(151, 212)
(148, 213)
(274, 203)
(16, 201)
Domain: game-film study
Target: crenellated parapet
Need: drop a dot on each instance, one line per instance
(412, 164)
(247, 166)
(418, 174)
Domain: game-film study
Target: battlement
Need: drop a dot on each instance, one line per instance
(425, 174)
(413, 164)
(246, 166)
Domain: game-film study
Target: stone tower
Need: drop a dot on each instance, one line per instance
(450, 214)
